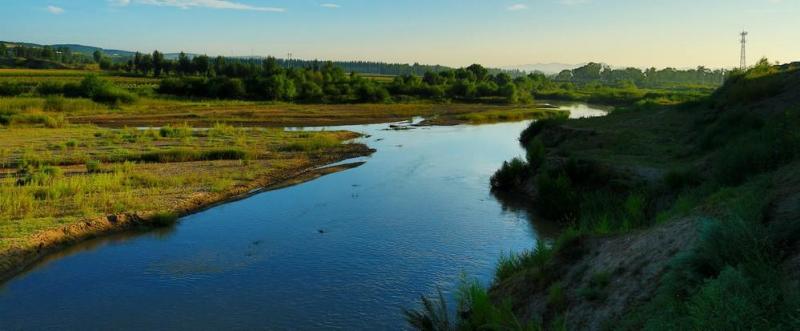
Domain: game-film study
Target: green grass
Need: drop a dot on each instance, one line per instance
(57, 176)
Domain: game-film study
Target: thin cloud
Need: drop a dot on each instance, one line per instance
(330, 5)
(55, 10)
(517, 7)
(188, 4)
(119, 3)
(573, 2)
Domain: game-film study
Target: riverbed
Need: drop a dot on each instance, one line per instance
(346, 251)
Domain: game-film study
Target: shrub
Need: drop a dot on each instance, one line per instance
(533, 130)
(50, 88)
(511, 175)
(557, 198)
(535, 153)
(99, 90)
(759, 151)
(12, 89)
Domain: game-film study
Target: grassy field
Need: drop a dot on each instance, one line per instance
(53, 179)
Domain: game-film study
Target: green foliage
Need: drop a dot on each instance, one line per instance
(511, 175)
(54, 104)
(535, 153)
(169, 131)
(532, 131)
(777, 143)
(50, 88)
(93, 166)
(557, 197)
(315, 143)
(732, 278)
(478, 312)
(514, 263)
(433, 316)
(12, 89)
(556, 298)
(18, 119)
(758, 83)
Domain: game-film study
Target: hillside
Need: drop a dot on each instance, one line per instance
(680, 217)
(676, 217)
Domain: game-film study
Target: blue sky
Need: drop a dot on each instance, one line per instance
(678, 33)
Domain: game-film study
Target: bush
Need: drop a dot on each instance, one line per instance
(99, 90)
(50, 88)
(11, 89)
(533, 130)
(557, 198)
(511, 176)
(759, 151)
(535, 153)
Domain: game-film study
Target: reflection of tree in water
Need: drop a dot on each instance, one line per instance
(521, 204)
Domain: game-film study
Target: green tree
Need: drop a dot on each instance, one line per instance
(184, 64)
(201, 64)
(97, 55)
(146, 64)
(158, 63)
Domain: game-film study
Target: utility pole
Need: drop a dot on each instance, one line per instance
(743, 60)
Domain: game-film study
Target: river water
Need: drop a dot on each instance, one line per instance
(347, 251)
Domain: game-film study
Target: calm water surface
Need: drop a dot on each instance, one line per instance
(346, 251)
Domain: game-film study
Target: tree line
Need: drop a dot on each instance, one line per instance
(652, 77)
(62, 55)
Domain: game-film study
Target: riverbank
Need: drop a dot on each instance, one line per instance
(676, 217)
(110, 180)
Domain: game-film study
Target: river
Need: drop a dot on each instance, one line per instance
(346, 251)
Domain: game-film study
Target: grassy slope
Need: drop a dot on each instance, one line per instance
(694, 225)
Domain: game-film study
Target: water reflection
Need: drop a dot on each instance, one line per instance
(348, 250)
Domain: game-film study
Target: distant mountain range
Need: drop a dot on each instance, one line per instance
(89, 50)
(546, 68)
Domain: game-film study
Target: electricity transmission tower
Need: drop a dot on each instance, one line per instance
(743, 60)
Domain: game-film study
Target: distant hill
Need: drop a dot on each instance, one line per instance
(546, 68)
(89, 50)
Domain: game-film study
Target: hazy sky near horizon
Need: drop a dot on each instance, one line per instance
(677, 33)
